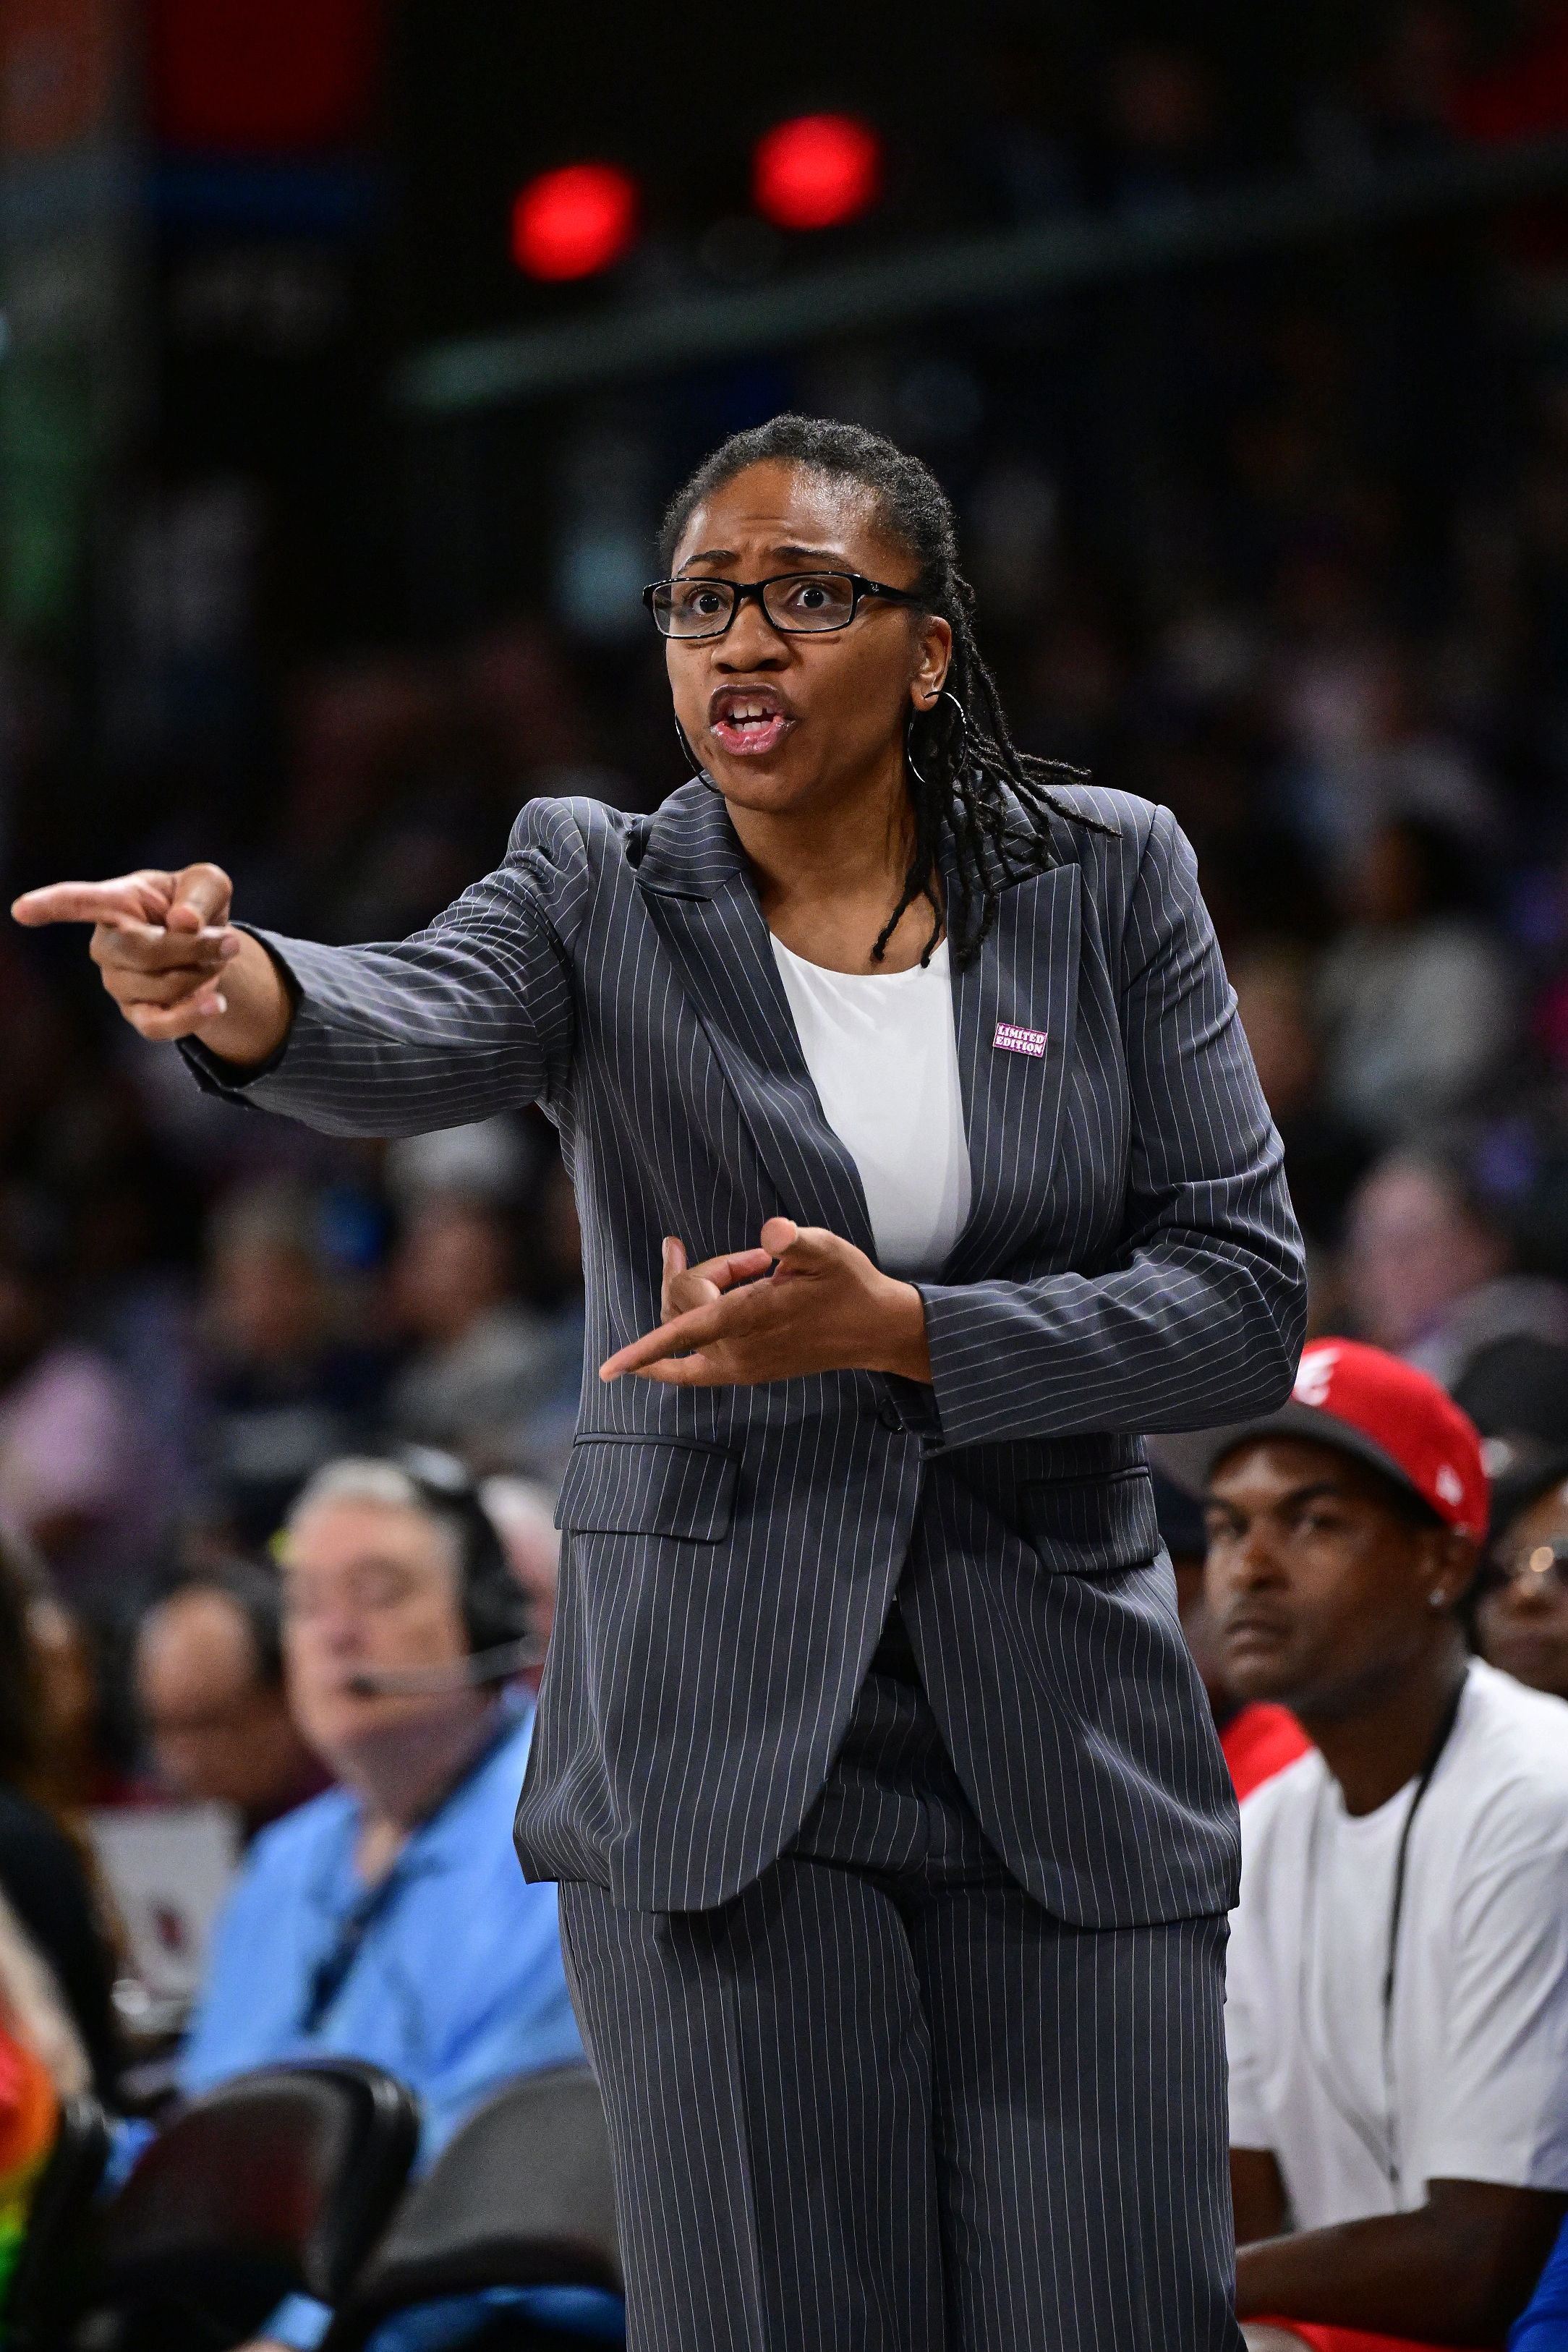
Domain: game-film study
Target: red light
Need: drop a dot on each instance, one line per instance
(816, 171)
(571, 222)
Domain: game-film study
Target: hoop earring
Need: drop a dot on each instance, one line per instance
(909, 755)
(944, 694)
(697, 769)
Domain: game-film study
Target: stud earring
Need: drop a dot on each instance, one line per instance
(1436, 1598)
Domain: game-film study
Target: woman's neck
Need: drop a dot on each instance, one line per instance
(829, 875)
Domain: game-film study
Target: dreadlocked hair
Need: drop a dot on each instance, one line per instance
(964, 771)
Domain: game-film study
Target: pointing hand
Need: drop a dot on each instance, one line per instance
(169, 958)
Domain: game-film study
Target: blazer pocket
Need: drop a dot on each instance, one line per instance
(648, 1487)
(1083, 1527)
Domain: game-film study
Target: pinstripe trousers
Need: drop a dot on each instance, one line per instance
(882, 2101)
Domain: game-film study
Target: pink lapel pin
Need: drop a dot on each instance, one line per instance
(1010, 1039)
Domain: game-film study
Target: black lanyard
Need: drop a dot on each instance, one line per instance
(1386, 2160)
(332, 1972)
(1395, 1910)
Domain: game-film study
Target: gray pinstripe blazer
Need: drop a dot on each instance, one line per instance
(1130, 1263)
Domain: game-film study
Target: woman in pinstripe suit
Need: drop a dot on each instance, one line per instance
(894, 1842)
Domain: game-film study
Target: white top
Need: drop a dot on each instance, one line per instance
(882, 1051)
(1476, 2083)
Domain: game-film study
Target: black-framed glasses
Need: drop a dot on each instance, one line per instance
(798, 603)
(1541, 1567)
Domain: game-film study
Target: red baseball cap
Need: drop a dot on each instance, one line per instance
(1385, 1412)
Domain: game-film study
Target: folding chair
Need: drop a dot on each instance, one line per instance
(521, 2196)
(277, 2183)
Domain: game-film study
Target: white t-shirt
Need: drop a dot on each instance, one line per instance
(882, 1051)
(1475, 2087)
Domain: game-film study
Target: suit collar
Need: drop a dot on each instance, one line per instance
(699, 891)
(690, 848)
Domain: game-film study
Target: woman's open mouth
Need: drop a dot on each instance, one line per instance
(749, 721)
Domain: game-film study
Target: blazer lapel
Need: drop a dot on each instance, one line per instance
(699, 895)
(1026, 977)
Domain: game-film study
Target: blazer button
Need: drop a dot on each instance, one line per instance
(890, 1417)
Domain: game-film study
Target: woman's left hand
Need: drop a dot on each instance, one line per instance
(823, 1308)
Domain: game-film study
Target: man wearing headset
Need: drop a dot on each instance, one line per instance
(1397, 1981)
(402, 1628)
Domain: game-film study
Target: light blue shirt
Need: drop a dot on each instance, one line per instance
(455, 1985)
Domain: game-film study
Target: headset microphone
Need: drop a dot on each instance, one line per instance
(493, 1665)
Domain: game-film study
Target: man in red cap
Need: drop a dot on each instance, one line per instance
(1398, 1986)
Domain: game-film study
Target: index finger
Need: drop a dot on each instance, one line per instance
(133, 898)
(699, 1323)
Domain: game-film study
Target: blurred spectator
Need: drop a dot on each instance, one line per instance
(1395, 772)
(1326, 659)
(1324, 1155)
(287, 1387)
(555, 1260)
(1426, 1270)
(41, 2063)
(1415, 998)
(482, 1363)
(72, 1454)
(29, 2118)
(1516, 1392)
(209, 1676)
(340, 1935)
(1258, 1740)
(32, 2011)
(491, 1161)
(553, 1274)
(70, 1704)
(524, 1512)
(1397, 1979)
(45, 1874)
(1522, 1600)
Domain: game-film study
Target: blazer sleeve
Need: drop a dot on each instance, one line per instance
(1201, 1316)
(465, 1018)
